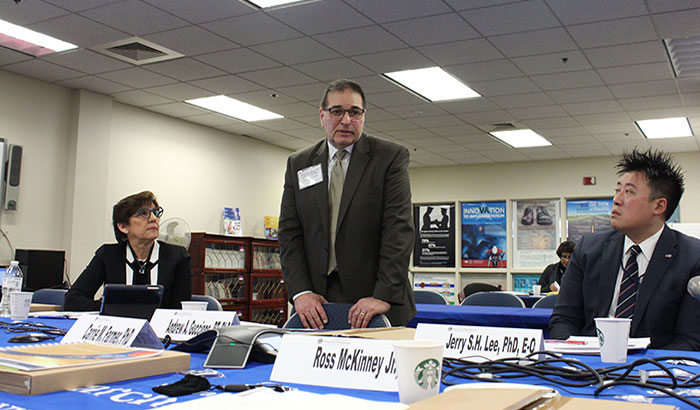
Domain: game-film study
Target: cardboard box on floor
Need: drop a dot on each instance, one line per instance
(522, 399)
(57, 379)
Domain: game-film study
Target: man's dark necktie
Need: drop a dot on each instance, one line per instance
(629, 285)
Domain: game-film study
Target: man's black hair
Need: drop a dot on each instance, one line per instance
(665, 178)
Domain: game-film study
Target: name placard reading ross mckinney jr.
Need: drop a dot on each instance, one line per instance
(351, 363)
(482, 343)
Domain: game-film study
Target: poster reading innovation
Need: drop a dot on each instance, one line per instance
(484, 234)
(434, 245)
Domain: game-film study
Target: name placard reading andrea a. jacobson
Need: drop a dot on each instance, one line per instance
(350, 363)
(482, 343)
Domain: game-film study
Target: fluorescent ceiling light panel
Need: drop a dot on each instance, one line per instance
(234, 108)
(665, 128)
(29, 41)
(521, 138)
(433, 83)
(271, 3)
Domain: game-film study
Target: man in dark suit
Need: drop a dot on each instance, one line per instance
(345, 226)
(639, 270)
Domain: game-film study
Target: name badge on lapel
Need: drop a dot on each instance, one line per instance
(309, 176)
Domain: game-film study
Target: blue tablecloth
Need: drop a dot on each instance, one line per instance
(137, 394)
(483, 316)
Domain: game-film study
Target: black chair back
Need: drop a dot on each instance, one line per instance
(337, 318)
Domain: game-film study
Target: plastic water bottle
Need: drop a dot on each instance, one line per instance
(11, 282)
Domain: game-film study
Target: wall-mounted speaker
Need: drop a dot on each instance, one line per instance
(14, 166)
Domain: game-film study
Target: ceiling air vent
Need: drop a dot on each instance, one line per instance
(137, 51)
(503, 125)
(685, 55)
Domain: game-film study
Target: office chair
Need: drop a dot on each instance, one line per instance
(50, 296)
(212, 303)
(546, 302)
(493, 299)
(429, 297)
(337, 318)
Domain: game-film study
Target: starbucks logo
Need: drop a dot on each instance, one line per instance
(601, 338)
(427, 374)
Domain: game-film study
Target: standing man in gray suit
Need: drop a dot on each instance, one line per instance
(345, 226)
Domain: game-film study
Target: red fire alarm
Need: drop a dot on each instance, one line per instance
(588, 180)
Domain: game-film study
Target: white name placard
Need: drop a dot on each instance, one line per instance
(183, 325)
(482, 343)
(118, 331)
(351, 363)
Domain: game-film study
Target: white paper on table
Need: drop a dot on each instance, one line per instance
(589, 345)
(291, 400)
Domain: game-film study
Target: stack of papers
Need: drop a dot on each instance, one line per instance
(588, 345)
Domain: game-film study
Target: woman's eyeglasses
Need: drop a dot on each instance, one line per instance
(145, 213)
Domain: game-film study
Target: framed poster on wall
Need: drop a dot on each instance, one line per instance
(536, 232)
(586, 216)
(434, 245)
(484, 234)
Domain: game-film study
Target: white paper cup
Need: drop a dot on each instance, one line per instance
(20, 303)
(419, 369)
(613, 335)
(194, 305)
(536, 290)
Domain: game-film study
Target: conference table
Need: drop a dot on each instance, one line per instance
(483, 316)
(137, 394)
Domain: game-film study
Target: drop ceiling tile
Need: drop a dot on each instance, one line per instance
(678, 24)
(650, 103)
(595, 147)
(8, 56)
(468, 105)
(306, 92)
(79, 30)
(227, 84)
(485, 119)
(416, 112)
(566, 132)
(461, 52)
(364, 40)
(179, 92)
(307, 134)
(267, 98)
(620, 128)
(625, 137)
(663, 113)
(211, 120)
(191, 41)
(544, 111)
(252, 29)
(296, 51)
(430, 121)
(137, 77)
(177, 109)
(511, 18)
(644, 89)
(140, 98)
(312, 18)
(522, 100)
(392, 125)
(660, 6)
(574, 79)
(292, 144)
(237, 61)
(675, 144)
(591, 154)
(431, 143)
(608, 33)
(484, 71)
(96, 84)
(545, 123)
(627, 54)
(603, 119)
(390, 61)
(393, 99)
(457, 131)
(469, 140)
(282, 124)
(578, 140)
(86, 61)
(294, 110)
(617, 148)
(534, 42)
(575, 95)
(376, 84)
(43, 70)
(201, 11)
(80, 5)
(330, 70)
(691, 99)
(636, 73)
(135, 17)
(576, 12)
(29, 12)
(595, 107)
(432, 30)
(242, 128)
(184, 69)
(419, 137)
(383, 11)
(505, 87)
(545, 153)
(278, 77)
(552, 63)
(375, 113)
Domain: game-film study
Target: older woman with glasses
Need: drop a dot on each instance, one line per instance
(137, 258)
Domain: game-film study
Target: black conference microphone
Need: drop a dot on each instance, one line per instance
(694, 287)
